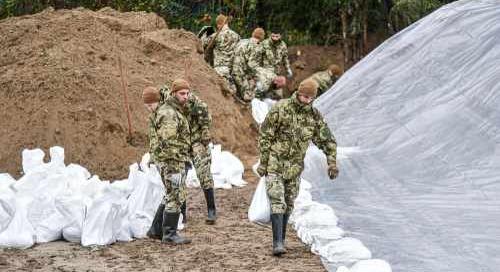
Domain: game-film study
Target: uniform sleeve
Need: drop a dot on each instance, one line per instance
(324, 140)
(268, 134)
(285, 60)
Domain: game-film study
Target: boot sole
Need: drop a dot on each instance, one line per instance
(172, 243)
(210, 222)
(279, 253)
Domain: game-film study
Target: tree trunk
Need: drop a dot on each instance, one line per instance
(343, 18)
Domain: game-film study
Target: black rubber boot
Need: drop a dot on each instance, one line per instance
(285, 224)
(170, 236)
(184, 214)
(210, 198)
(277, 224)
(155, 231)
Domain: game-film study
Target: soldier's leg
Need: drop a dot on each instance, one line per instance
(175, 195)
(225, 72)
(202, 161)
(291, 192)
(275, 188)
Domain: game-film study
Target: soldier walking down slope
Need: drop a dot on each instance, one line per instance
(285, 135)
(247, 58)
(170, 146)
(276, 54)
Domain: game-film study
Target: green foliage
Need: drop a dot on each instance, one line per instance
(301, 22)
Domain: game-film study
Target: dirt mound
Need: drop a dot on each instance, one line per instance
(60, 84)
(309, 59)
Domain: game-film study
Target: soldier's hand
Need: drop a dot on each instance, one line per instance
(262, 170)
(333, 171)
(289, 73)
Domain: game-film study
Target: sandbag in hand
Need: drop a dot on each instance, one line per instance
(333, 171)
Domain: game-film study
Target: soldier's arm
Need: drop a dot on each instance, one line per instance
(324, 139)
(285, 60)
(268, 134)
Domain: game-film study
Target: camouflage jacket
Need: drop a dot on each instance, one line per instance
(169, 141)
(324, 80)
(286, 133)
(225, 43)
(197, 114)
(275, 55)
(247, 57)
(265, 77)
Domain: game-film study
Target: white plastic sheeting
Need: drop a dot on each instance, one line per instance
(54, 201)
(424, 110)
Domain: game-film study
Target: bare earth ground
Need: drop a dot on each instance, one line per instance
(233, 244)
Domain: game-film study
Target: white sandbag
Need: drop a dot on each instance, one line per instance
(227, 170)
(101, 225)
(72, 208)
(6, 181)
(7, 207)
(192, 180)
(260, 208)
(315, 215)
(261, 108)
(144, 200)
(19, 233)
(56, 156)
(46, 221)
(372, 265)
(343, 269)
(319, 236)
(32, 159)
(345, 250)
(123, 231)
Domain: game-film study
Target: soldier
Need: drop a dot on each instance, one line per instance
(326, 79)
(268, 84)
(247, 58)
(276, 54)
(284, 138)
(223, 43)
(170, 145)
(200, 122)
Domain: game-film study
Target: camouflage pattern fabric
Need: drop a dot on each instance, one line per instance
(170, 150)
(265, 87)
(202, 161)
(200, 122)
(275, 55)
(282, 193)
(285, 135)
(225, 43)
(324, 80)
(175, 189)
(247, 58)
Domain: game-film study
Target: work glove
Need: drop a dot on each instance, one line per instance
(289, 73)
(333, 171)
(262, 170)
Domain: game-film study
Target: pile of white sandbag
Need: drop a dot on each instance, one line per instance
(53, 201)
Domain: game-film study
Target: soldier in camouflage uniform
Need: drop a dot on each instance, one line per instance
(326, 79)
(247, 58)
(224, 42)
(169, 138)
(200, 122)
(285, 135)
(268, 84)
(275, 54)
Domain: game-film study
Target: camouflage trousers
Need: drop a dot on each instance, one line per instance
(175, 188)
(282, 193)
(202, 161)
(244, 87)
(225, 72)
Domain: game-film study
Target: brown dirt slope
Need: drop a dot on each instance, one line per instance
(60, 85)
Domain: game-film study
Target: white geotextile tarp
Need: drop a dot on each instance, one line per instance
(53, 201)
(424, 110)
